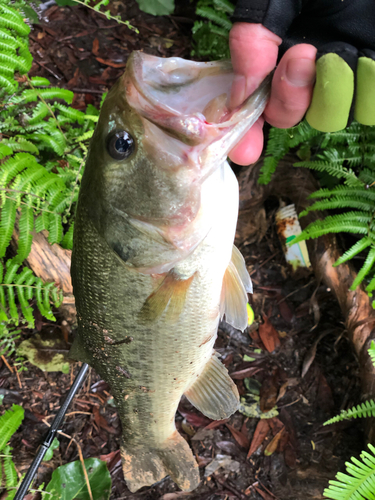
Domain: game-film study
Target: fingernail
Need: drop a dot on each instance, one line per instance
(300, 72)
(237, 94)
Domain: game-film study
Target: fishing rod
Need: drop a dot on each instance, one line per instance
(55, 427)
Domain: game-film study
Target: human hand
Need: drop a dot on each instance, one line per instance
(344, 35)
(254, 51)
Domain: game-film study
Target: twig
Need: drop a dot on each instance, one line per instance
(7, 364)
(18, 377)
(88, 91)
(71, 413)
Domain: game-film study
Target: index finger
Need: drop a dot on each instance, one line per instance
(254, 51)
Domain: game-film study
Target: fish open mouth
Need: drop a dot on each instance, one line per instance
(188, 99)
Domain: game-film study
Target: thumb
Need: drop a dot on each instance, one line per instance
(254, 51)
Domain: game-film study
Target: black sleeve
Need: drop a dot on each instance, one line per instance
(313, 21)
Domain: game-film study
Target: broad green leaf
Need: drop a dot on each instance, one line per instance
(48, 354)
(157, 7)
(68, 481)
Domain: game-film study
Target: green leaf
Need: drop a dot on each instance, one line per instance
(49, 453)
(39, 81)
(9, 423)
(157, 7)
(41, 352)
(68, 481)
(26, 226)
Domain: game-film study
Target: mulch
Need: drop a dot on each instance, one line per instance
(295, 317)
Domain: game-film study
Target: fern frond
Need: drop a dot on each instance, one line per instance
(336, 170)
(365, 269)
(340, 202)
(26, 226)
(67, 241)
(213, 15)
(10, 18)
(349, 222)
(39, 81)
(366, 409)
(358, 483)
(9, 423)
(7, 221)
(358, 247)
(30, 95)
(371, 352)
(10, 473)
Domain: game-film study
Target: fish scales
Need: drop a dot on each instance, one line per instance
(153, 241)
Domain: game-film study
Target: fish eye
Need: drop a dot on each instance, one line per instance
(120, 145)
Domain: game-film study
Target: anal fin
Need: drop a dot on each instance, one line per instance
(169, 296)
(236, 285)
(214, 393)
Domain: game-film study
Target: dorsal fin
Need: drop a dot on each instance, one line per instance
(236, 285)
(170, 295)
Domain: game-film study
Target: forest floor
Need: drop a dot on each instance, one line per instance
(304, 365)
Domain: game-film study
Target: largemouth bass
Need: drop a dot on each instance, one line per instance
(153, 266)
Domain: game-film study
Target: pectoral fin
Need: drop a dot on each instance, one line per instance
(236, 285)
(214, 393)
(169, 296)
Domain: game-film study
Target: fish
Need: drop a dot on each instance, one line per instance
(154, 268)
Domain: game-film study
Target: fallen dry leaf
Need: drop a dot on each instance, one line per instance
(268, 335)
(259, 436)
(101, 421)
(272, 446)
(268, 394)
(95, 47)
(241, 439)
(264, 494)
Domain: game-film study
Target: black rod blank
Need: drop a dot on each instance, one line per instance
(55, 426)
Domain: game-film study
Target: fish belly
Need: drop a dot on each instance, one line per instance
(150, 366)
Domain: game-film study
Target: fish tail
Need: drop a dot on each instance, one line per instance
(144, 466)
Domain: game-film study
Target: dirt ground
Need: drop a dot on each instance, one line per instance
(304, 367)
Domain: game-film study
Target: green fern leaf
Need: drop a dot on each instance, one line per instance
(12, 19)
(9, 423)
(366, 409)
(47, 142)
(42, 222)
(7, 221)
(365, 269)
(26, 226)
(350, 222)
(340, 202)
(43, 300)
(30, 95)
(55, 229)
(358, 483)
(371, 352)
(39, 81)
(4, 151)
(215, 16)
(10, 473)
(40, 111)
(8, 84)
(26, 309)
(358, 247)
(74, 115)
(225, 6)
(19, 143)
(67, 241)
